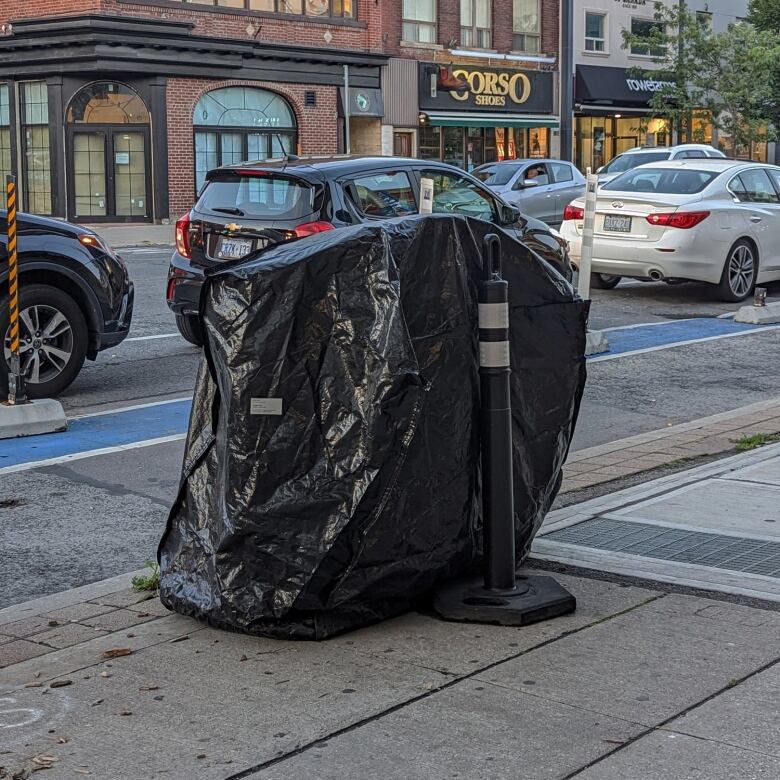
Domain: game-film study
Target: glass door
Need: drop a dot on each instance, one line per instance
(89, 174)
(110, 179)
(129, 173)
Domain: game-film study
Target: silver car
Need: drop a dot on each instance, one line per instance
(539, 188)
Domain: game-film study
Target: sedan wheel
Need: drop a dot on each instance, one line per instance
(739, 273)
(52, 340)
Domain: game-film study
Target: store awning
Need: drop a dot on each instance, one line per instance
(486, 119)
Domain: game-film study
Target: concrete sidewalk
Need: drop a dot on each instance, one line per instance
(123, 235)
(641, 682)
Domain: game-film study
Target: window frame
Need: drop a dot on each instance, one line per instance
(536, 35)
(604, 32)
(24, 147)
(278, 8)
(478, 37)
(6, 128)
(566, 166)
(418, 23)
(349, 187)
(484, 192)
(747, 192)
(651, 53)
(245, 132)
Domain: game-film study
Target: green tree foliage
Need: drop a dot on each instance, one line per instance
(765, 15)
(726, 76)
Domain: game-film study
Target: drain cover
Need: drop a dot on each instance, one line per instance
(735, 553)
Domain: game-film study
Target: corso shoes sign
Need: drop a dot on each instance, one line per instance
(462, 88)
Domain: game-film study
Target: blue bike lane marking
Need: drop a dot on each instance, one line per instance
(147, 425)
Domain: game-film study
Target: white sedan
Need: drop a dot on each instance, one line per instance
(715, 221)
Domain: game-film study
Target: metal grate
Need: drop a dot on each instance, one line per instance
(735, 553)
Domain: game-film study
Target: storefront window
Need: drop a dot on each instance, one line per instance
(453, 145)
(525, 26)
(600, 138)
(240, 123)
(419, 21)
(322, 8)
(5, 140)
(107, 103)
(429, 143)
(475, 23)
(37, 161)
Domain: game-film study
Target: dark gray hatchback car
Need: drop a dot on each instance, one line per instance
(246, 207)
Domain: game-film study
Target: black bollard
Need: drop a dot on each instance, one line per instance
(501, 596)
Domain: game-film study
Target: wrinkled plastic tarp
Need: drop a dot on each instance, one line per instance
(363, 493)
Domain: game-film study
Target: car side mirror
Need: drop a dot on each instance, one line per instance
(509, 214)
(600, 169)
(528, 183)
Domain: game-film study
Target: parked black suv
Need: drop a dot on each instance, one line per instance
(75, 299)
(246, 207)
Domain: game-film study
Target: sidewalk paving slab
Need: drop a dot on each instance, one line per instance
(647, 665)
(474, 731)
(746, 716)
(664, 756)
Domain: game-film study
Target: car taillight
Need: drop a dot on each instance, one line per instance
(310, 228)
(573, 212)
(678, 219)
(183, 236)
(173, 275)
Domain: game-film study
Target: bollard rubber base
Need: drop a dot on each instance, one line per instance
(536, 597)
(31, 418)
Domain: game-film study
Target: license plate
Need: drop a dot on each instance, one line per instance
(617, 224)
(233, 248)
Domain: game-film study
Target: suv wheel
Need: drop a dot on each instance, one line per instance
(189, 326)
(53, 340)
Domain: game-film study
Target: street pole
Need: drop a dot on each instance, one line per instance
(347, 144)
(16, 391)
(566, 81)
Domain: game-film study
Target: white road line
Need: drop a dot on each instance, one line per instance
(35, 464)
(132, 408)
(156, 336)
(657, 348)
(648, 324)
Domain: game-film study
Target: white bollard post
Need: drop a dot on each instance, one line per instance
(596, 342)
(586, 252)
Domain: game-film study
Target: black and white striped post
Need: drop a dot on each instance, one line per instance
(500, 596)
(498, 510)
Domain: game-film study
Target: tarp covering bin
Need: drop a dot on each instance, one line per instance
(331, 472)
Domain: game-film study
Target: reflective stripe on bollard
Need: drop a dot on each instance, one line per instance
(16, 393)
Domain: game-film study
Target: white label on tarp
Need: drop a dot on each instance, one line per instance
(265, 406)
(426, 196)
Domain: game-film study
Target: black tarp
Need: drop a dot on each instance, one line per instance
(363, 493)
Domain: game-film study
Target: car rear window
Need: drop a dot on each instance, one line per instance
(627, 161)
(265, 196)
(667, 181)
(496, 174)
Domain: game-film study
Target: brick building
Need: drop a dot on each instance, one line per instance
(471, 81)
(113, 110)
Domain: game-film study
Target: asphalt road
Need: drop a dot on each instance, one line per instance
(67, 524)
